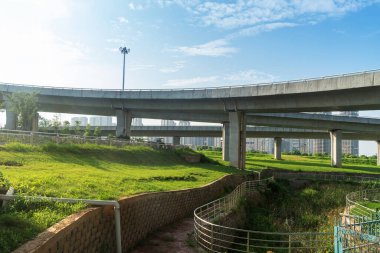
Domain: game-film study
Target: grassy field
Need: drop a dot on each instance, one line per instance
(101, 172)
(86, 171)
(258, 161)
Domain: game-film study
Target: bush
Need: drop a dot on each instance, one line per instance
(4, 183)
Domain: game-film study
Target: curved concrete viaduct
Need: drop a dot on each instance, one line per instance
(359, 91)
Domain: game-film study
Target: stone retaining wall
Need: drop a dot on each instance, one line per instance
(93, 230)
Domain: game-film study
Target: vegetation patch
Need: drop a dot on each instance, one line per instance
(295, 206)
(22, 220)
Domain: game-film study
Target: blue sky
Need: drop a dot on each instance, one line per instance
(179, 43)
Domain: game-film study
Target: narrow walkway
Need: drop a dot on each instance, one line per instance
(174, 238)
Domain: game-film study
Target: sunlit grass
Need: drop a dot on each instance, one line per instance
(258, 161)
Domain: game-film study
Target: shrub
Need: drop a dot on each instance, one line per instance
(4, 183)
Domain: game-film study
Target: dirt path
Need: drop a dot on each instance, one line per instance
(174, 238)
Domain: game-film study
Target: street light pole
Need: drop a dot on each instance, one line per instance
(124, 51)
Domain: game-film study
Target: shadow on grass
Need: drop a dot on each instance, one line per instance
(145, 157)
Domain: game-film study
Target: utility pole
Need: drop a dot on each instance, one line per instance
(124, 51)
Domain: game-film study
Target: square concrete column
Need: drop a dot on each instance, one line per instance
(35, 123)
(378, 153)
(11, 120)
(336, 148)
(237, 139)
(277, 148)
(226, 141)
(123, 123)
(176, 140)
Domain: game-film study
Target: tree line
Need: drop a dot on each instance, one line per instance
(25, 106)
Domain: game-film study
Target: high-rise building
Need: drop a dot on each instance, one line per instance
(83, 121)
(101, 121)
(350, 146)
(165, 122)
(137, 122)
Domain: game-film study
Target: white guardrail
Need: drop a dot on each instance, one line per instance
(218, 238)
(213, 233)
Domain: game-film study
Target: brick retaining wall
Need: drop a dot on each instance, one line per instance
(93, 230)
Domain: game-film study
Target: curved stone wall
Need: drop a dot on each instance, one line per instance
(93, 229)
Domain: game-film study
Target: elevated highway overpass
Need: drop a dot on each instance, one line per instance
(234, 106)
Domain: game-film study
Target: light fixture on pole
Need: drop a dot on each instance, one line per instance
(124, 51)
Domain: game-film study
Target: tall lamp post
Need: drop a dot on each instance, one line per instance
(124, 51)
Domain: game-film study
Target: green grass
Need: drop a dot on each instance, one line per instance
(101, 172)
(90, 172)
(257, 161)
(371, 204)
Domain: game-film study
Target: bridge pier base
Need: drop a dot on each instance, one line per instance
(11, 120)
(226, 141)
(336, 148)
(378, 153)
(277, 148)
(237, 137)
(176, 140)
(123, 124)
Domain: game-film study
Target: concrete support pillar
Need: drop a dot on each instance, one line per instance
(277, 148)
(35, 123)
(237, 139)
(226, 141)
(176, 140)
(336, 148)
(11, 120)
(378, 153)
(123, 124)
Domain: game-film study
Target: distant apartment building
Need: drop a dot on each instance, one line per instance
(309, 146)
(165, 122)
(83, 121)
(137, 122)
(101, 121)
(260, 144)
(350, 146)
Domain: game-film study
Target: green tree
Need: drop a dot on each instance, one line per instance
(77, 127)
(66, 127)
(97, 131)
(43, 123)
(56, 123)
(25, 105)
(87, 131)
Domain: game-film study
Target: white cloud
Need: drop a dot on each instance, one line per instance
(190, 81)
(177, 66)
(243, 77)
(213, 48)
(250, 76)
(134, 7)
(255, 30)
(138, 66)
(238, 14)
(122, 20)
